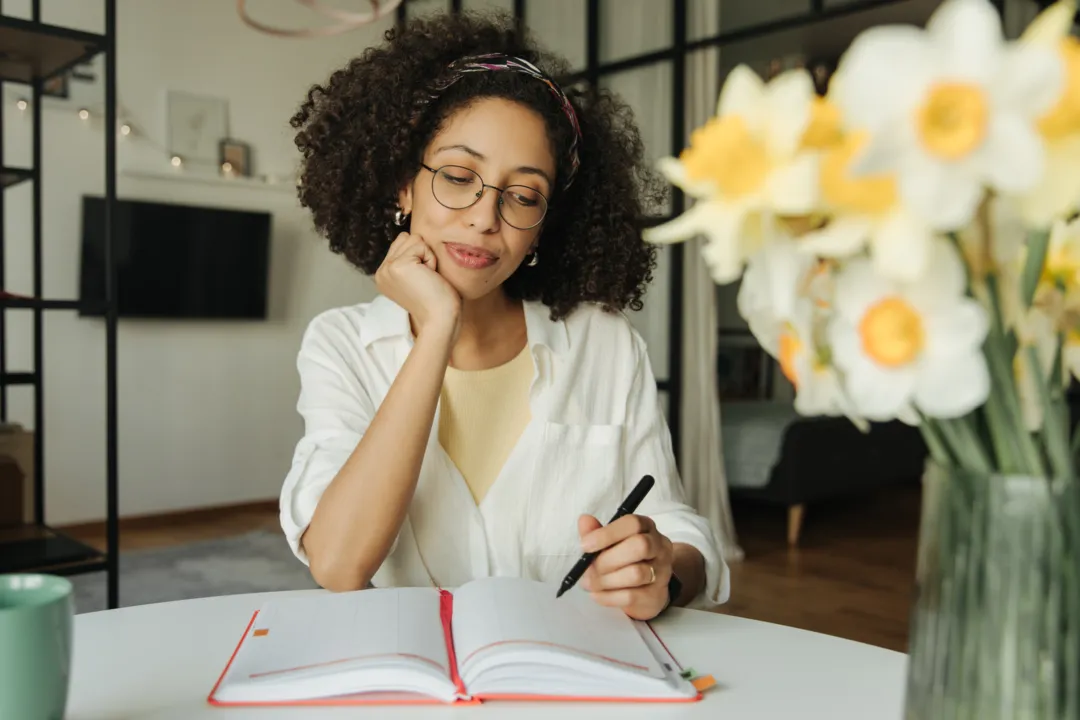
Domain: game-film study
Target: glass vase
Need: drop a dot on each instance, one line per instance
(995, 628)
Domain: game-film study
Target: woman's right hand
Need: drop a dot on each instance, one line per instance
(408, 276)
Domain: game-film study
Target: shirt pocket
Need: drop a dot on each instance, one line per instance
(578, 470)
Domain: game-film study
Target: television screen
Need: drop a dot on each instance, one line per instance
(176, 261)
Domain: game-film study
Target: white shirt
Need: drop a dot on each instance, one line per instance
(596, 429)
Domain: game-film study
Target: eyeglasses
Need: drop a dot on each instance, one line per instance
(457, 188)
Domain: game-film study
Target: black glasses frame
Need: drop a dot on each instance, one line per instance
(483, 186)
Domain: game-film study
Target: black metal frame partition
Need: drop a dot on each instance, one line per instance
(45, 51)
(823, 30)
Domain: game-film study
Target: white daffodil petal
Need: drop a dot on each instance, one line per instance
(699, 219)
(943, 284)
(877, 393)
(909, 416)
(1032, 78)
(793, 187)
(845, 343)
(882, 155)
(901, 246)
(784, 267)
(1052, 24)
(842, 237)
(956, 333)
(1059, 192)
(876, 88)
(945, 196)
(743, 94)
(1012, 159)
(967, 36)
(675, 172)
(724, 260)
(788, 98)
(858, 287)
(953, 388)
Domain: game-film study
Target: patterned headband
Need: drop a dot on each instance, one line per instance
(497, 61)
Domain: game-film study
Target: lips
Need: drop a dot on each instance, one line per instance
(470, 257)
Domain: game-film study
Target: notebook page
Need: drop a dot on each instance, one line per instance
(310, 634)
(504, 612)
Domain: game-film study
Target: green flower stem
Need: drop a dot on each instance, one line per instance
(1000, 352)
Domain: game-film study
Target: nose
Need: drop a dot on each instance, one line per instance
(484, 213)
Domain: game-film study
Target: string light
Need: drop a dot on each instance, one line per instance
(128, 128)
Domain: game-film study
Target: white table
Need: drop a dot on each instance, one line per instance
(160, 661)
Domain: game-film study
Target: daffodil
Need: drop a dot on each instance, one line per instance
(784, 299)
(744, 168)
(1058, 191)
(950, 110)
(910, 346)
(866, 210)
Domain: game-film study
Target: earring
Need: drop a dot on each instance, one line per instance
(534, 260)
(400, 217)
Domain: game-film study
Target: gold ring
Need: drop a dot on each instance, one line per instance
(652, 574)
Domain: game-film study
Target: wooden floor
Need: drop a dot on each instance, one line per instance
(851, 576)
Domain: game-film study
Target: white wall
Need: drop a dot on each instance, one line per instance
(206, 410)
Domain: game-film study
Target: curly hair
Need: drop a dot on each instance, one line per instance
(363, 133)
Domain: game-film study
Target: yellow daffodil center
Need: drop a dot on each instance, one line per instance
(724, 151)
(1064, 118)
(790, 349)
(953, 120)
(871, 194)
(824, 129)
(892, 333)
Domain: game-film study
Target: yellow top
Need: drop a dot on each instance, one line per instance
(482, 415)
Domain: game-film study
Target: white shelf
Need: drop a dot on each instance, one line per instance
(284, 185)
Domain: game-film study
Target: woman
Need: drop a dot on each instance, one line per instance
(477, 416)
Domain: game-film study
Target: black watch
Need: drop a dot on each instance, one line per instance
(674, 589)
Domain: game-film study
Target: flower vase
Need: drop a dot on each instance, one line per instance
(995, 628)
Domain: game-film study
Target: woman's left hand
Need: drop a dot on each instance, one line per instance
(634, 567)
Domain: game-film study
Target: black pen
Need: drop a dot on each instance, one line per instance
(628, 506)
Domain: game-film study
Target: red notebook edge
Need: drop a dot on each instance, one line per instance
(446, 614)
(338, 701)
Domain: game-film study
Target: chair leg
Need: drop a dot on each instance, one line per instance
(794, 523)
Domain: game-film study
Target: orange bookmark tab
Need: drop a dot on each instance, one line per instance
(261, 632)
(703, 682)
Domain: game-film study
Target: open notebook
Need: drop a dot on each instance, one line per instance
(495, 638)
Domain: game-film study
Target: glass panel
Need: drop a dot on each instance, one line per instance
(652, 320)
(507, 5)
(703, 19)
(702, 88)
(559, 26)
(418, 8)
(634, 27)
(739, 15)
(648, 92)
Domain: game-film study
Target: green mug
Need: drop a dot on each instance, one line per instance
(36, 617)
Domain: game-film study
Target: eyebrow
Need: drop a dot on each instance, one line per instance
(528, 169)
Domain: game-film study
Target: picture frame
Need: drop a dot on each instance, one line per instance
(196, 126)
(58, 86)
(234, 157)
